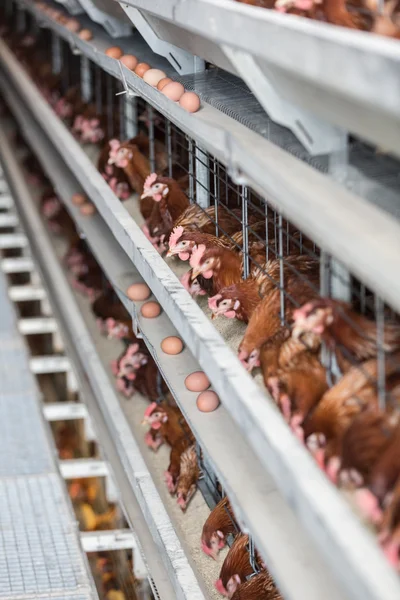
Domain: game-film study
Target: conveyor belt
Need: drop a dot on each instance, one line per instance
(40, 552)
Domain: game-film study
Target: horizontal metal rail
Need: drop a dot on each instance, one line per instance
(5, 201)
(9, 241)
(8, 221)
(361, 97)
(20, 264)
(98, 541)
(326, 212)
(82, 468)
(64, 411)
(352, 555)
(165, 557)
(41, 365)
(37, 325)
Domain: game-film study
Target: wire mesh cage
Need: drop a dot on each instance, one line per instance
(269, 254)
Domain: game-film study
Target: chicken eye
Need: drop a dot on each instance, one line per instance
(225, 303)
(183, 244)
(157, 186)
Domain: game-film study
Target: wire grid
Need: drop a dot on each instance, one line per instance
(209, 185)
(259, 224)
(207, 177)
(39, 552)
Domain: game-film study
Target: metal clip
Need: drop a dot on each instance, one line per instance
(126, 90)
(74, 48)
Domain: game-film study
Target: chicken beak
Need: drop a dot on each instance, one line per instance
(297, 332)
(213, 316)
(195, 273)
(146, 194)
(144, 422)
(170, 253)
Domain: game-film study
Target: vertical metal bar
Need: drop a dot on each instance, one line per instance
(86, 79)
(325, 288)
(110, 106)
(338, 170)
(152, 157)
(98, 91)
(216, 195)
(56, 53)
(245, 232)
(191, 170)
(276, 229)
(202, 177)
(324, 273)
(168, 143)
(287, 239)
(252, 554)
(121, 110)
(363, 299)
(281, 277)
(131, 120)
(380, 333)
(341, 281)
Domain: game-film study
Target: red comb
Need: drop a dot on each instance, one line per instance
(150, 409)
(150, 179)
(212, 302)
(196, 255)
(132, 350)
(175, 235)
(114, 143)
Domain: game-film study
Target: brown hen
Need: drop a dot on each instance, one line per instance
(220, 523)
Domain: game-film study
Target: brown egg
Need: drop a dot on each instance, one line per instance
(153, 76)
(173, 91)
(207, 401)
(190, 102)
(172, 345)
(141, 69)
(85, 34)
(197, 381)
(73, 25)
(163, 82)
(129, 61)
(114, 52)
(78, 199)
(88, 209)
(150, 310)
(138, 291)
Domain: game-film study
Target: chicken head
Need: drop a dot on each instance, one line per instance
(154, 188)
(203, 262)
(313, 317)
(220, 305)
(216, 543)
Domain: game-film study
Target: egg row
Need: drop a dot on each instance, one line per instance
(158, 79)
(207, 400)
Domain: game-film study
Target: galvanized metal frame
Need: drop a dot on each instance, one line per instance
(218, 434)
(321, 208)
(164, 555)
(275, 446)
(361, 98)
